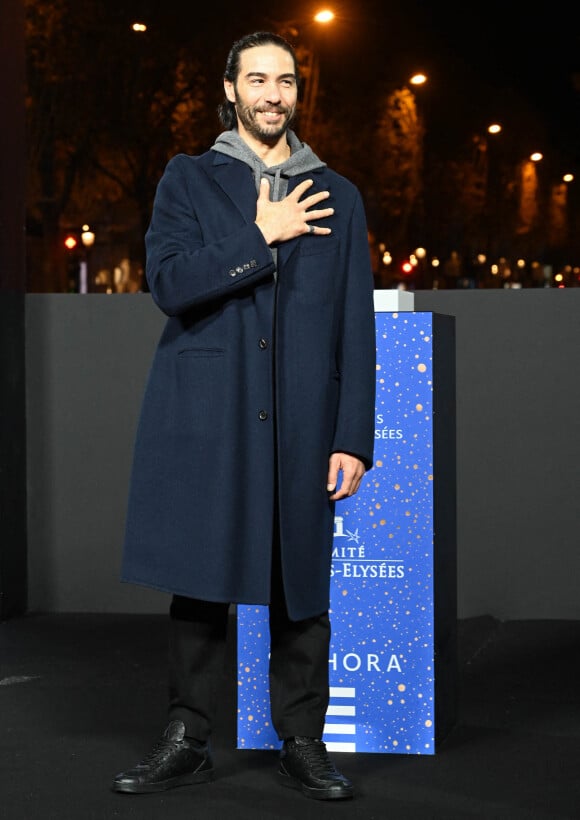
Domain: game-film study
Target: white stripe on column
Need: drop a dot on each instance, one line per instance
(336, 746)
(340, 728)
(341, 710)
(342, 691)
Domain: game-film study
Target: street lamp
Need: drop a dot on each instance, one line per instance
(87, 237)
(311, 93)
(310, 67)
(88, 240)
(528, 200)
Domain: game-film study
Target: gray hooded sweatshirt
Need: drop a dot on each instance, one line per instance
(302, 159)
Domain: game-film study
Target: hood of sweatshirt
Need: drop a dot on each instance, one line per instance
(302, 159)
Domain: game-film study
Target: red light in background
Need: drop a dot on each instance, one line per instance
(407, 267)
(70, 243)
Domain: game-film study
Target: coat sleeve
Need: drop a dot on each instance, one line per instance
(356, 355)
(185, 268)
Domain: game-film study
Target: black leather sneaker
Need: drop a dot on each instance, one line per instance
(305, 765)
(173, 761)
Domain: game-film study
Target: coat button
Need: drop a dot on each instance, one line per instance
(263, 415)
(263, 344)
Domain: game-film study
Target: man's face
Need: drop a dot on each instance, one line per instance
(264, 93)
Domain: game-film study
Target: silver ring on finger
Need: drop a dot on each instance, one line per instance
(311, 228)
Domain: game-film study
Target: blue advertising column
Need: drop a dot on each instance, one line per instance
(393, 587)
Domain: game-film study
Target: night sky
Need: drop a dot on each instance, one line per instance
(479, 58)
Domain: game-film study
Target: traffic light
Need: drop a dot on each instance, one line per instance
(72, 263)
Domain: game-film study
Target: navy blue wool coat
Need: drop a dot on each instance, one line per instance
(256, 380)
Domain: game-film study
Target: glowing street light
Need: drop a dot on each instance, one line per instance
(418, 79)
(87, 237)
(324, 16)
(139, 27)
(536, 156)
(494, 128)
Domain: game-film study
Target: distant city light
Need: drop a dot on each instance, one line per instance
(324, 16)
(418, 79)
(536, 156)
(139, 27)
(568, 178)
(87, 237)
(494, 128)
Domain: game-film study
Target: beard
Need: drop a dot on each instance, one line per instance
(267, 133)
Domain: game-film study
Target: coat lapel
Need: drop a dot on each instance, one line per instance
(236, 181)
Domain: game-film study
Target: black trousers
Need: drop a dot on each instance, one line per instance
(298, 670)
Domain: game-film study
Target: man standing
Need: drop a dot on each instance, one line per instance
(258, 415)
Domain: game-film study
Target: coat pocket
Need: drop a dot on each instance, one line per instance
(200, 352)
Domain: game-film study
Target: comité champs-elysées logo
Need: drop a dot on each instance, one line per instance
(350, 559)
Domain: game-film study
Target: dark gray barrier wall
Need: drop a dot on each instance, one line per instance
(87, 360)
(518, 448)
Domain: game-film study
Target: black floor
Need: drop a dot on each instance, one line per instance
(83, 696)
